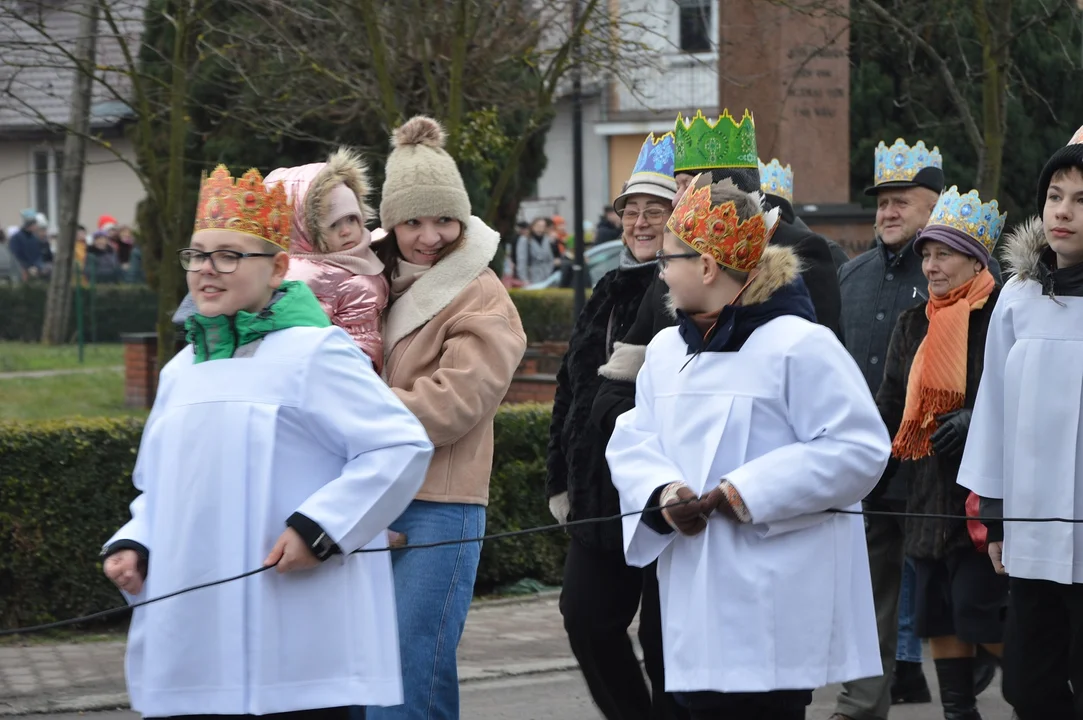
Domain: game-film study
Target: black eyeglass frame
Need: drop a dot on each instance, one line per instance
(663, 259)
(192, 253)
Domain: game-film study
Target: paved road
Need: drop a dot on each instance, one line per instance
(563, 696)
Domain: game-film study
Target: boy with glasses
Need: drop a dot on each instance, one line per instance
(272, 441)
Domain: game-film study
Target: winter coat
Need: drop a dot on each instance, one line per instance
(103, 266)
(931, 486)
(534, 258)
(10, 272)
(452, 343)
(350, 286)
(617, 395)
(607, 231)
(789, 216)
(576, 456)
(876, 287)
(26, 248)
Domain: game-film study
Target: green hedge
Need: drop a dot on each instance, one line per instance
(65, 488)
(115, 309)
(546, 314)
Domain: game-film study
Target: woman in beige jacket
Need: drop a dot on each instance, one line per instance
(452, 341)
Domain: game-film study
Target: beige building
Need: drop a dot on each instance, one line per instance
(618, 113)
(36, 79)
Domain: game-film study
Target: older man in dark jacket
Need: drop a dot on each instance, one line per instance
(876, 287)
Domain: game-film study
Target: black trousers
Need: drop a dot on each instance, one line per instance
(1043, 650)
(774, 705)
(322, 714)
(599, 600)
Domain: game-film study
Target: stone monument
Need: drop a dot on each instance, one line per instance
(789, 64)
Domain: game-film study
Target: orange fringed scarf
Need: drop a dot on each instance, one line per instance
(937, 382)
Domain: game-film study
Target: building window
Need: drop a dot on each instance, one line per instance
(45, 165)
(694, 23)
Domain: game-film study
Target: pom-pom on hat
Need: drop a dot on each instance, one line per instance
(421, 179)
(1071, 155)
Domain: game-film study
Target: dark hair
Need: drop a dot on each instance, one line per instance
(387, 250)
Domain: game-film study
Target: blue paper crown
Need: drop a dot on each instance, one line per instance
(776, 179)
(967, 213)
(656, 156)
(900, 162)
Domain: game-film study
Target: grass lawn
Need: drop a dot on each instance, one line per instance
(92, 394)
(17, 357)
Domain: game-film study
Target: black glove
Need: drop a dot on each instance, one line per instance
(950, 438)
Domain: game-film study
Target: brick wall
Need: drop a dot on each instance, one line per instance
(141, 368)
(531, 388)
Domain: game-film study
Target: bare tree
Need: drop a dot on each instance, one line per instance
(468, 62)
(58, 302)
(279, 65)
(979, 90)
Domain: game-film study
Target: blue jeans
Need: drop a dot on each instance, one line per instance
(433, 590)
(909, 649)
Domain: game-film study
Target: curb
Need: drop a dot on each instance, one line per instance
(482, 603)
(468, 675)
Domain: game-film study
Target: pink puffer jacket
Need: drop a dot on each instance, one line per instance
(350, 285)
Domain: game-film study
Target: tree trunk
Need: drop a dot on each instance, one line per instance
(58, 302)
(169, 272)
(993, 21)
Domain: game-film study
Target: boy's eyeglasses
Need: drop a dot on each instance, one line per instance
(663, 259)
(654, 215)
(225, 262)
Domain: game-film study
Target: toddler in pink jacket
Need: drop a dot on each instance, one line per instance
(330, 247)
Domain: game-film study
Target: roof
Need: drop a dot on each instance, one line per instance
(37, 72)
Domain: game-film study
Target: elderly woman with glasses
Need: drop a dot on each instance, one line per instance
(601, 594)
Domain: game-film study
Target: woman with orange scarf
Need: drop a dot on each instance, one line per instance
(931, 378)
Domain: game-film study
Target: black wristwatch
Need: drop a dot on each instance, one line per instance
(324, 547)
(318, 541)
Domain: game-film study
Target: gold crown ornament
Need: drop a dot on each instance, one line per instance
(717, 230)
(245, 206)
(969, 215)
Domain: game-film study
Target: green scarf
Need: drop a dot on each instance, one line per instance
(219, 337)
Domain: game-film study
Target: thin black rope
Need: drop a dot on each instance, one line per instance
(103, 614)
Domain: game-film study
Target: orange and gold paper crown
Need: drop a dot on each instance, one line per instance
(245, 206)
(717, 230)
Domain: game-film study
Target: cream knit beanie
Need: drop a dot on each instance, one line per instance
(421, 179)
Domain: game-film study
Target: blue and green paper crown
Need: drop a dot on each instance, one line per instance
(902, 163)
(705, 145)
(967, 214)
(656, 156)
(776, 179)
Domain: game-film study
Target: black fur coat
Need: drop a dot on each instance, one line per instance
(576, 457)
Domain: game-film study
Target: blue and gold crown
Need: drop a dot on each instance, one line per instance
(656, 156)
(776, 179)
(901, 163)
(966, 213)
